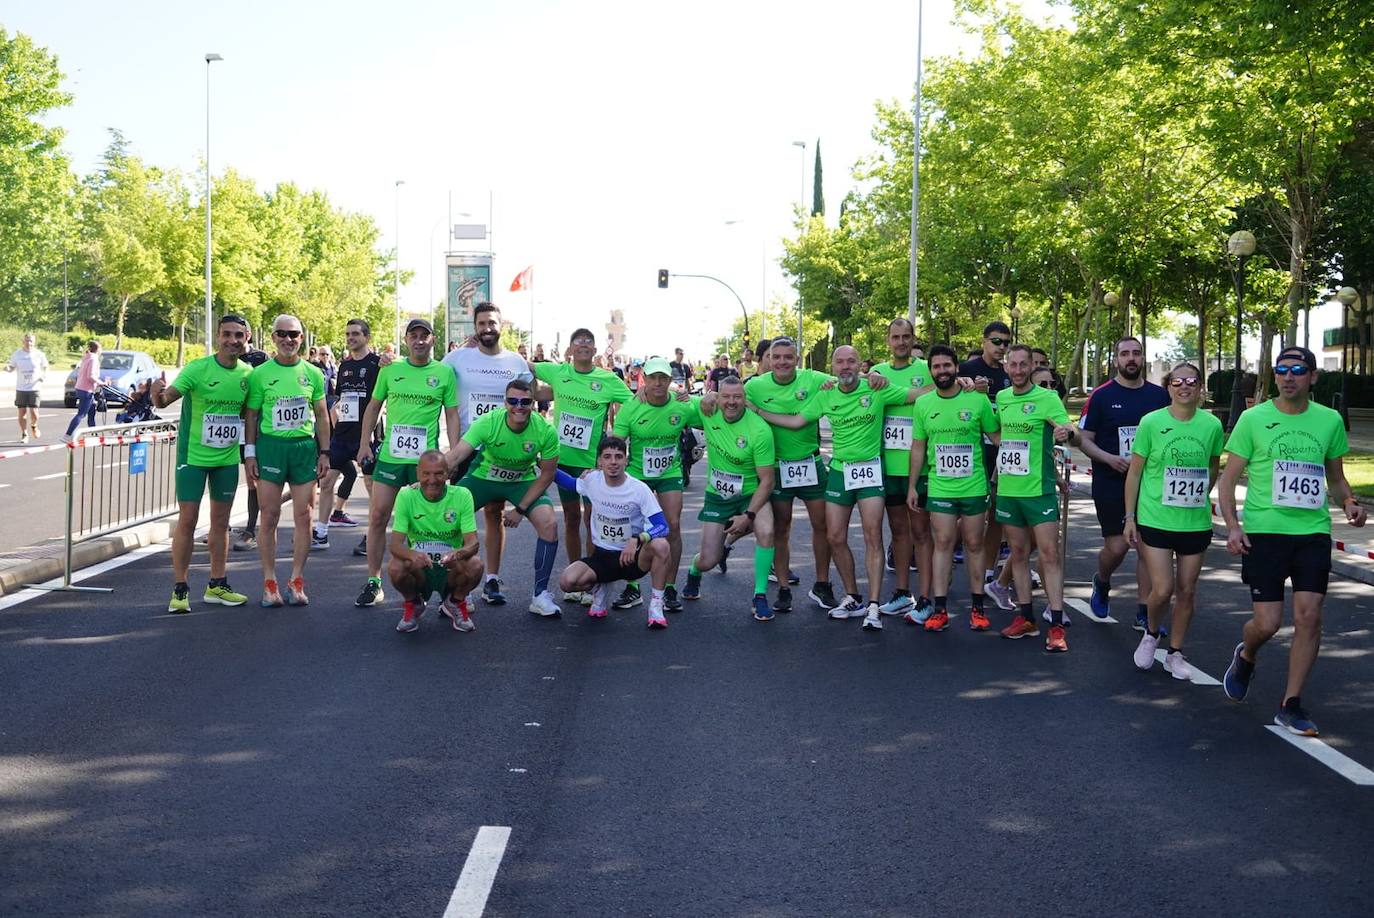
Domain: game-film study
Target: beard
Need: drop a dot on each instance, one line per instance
(488, 339)
(1130, 372)
(945, 380)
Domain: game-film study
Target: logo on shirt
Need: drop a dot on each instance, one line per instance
(596, 385)
(642, 421)
(1116, 406)
(1271, 426)
(271, 382)
(1028, 408)
(865, 400)
(1164, 430)
(802, 394)
(212, 383)
(741, 442)
(529, 446)
(303, 379)
(243, 384)
(673, 419)
(450, 516)
(964, 415)
(432, 381)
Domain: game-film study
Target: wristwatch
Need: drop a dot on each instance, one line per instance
(750, 514)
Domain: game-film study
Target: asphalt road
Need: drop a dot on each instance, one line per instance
(314, 762)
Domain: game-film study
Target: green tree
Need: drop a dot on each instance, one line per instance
(817, 188)
(124, 223)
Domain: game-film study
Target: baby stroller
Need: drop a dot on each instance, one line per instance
(133, 406)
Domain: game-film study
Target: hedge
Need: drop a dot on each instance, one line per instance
(162, 350)
(1360, 391)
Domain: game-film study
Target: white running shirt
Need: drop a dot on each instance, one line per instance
(618, 514)
(482, 380)
(29, 367)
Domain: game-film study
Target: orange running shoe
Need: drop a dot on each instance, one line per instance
(977, 621)
(1055, 643)
(938, 621)
(1021, 627)
(295, 592)
(271, 597)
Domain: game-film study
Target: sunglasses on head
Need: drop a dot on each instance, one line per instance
(284, 333)
(1183, 381)
(1285, 370)
(1000, 342)
(519, 402)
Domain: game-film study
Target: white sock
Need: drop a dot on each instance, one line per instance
(321, 530)
(656, 599)
(601, 595)
(491, 577)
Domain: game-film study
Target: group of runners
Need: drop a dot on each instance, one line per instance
(956, 457)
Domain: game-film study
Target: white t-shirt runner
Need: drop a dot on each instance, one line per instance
(482, 380)
(618, 514)
(29, 368)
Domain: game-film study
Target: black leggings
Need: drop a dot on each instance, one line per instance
(348, 475)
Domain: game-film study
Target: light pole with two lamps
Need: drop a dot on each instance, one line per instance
(210, 58)
(1241, 246)
(1348, 297)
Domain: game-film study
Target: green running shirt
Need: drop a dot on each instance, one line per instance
(953, 429)
(430, 525)
(1174, 483)
(653, 432)
(735, 452)
(580, 403)
(415, 398)
(1025, 460)
(286, 397)
(856, 419)
(1286, 472)
(789, 398)
(505, 454)
(212, 401)
(897, 418)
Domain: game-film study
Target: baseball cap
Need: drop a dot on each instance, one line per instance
(1295, 352)
(658, 365)
(419, 323)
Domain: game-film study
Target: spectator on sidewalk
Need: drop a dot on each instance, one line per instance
(87, 381)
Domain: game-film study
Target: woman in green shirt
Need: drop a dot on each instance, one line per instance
(1175, 459)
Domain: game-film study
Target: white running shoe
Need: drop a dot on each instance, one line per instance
(544, 605)
(598, 600)
(1177, 666)
(873, 620)
(1000, 595)
(573, 596)
(1145, 651)
(849, 608)
(457, 612)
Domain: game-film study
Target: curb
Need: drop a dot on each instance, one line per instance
(86, 554)
(1356, 572)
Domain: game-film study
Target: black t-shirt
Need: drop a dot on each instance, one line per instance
(717, 374)
(1111, 407)
(254, 358)
(355, 377)
(997, 376)
(682, 371)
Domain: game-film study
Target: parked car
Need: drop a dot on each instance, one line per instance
(124, 370)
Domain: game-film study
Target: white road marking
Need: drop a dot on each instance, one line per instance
(50, 477)
(1341, 764)
(1087, 611)
(469, 897)
(1199, 677)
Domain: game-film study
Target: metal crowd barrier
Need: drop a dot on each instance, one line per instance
(118, 475)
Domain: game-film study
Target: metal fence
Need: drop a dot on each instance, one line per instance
(118, 475)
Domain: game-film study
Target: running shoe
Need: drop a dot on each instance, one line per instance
(937, 620)
(36, 434)
(822, 595)
(670, 601)
(1142, 621)
(181, 600)
(222, 595)
(271, 596)
(1236, 682)
(888, 563)
(873, 620)
(978, 621)
(899, 603)
(410, 617)
(1036, 583)
(629, 597)
(784, 600)
(1021, 627)
(24, 438)
(544, 605)
(360, 550)
(1098, 602)
(245, 541)
(1294, 719)
(852, 607)
(371, 594)
(491, 592)
(1003, 552)
(1049, 617)
(656, 619)
(318, 542)
(1056, 642)
(339, 518)
(295, 592)
(792, 579)
(1145, 651)
(724, 563)
(692, 591)
(1177, 666)
(761, 611)
(574, 596)
(1000, 595)
(921, 613)
(460, 613)
(959, 555)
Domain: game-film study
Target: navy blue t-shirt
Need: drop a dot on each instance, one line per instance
(997, 376)
(1110, 408)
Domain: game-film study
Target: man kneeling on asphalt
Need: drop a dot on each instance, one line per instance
(434, 546)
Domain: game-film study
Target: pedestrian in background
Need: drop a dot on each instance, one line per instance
(86, 383)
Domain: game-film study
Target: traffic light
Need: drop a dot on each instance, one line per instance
(662, 278)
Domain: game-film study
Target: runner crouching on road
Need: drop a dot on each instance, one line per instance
(628, 534)
(288, 444)
(1290, 450)
(434, 546)
(213, 390)
(1175, 459)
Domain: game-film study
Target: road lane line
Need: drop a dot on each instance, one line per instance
(1199, 677)
(50, 477)
(1087, 611)
(1341, 764)
(469, 897)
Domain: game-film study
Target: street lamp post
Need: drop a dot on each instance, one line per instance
(915, 175)
(744, 312)
(1015, 323)
(1348, 296)
(399, 183)
(209, 292)
(1241, 246)
(801, 200)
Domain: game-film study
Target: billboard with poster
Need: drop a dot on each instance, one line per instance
(469, 283)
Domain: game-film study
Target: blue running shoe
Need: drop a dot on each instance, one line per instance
(491, 592)
(724, 564)
(692, 590)
(898, 604)
(922, 611)
(1236, 682)
(1003, 552)
(1294, 719)
(761, 611)
(1098, 602)
(959, 555)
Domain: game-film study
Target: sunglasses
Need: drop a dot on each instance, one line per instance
(1046, 384)
(283, 333)
(1000, 342)
(519, 402)
(1178, 381)
(1285, 370)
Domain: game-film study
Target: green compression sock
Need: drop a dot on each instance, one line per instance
(763, 563)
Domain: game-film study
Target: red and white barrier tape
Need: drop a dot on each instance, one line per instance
(31, 450)
(120, 440)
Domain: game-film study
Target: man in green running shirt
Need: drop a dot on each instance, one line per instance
(415, 391)
(1032, 419)
(434, 546)
(287, 429)
(583, 395)
(653, 426)
(215, 388)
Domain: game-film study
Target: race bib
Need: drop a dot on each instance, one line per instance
(727, 484)
(867, 474)
(1014, 458)
(614, 529)
(407, 441)
(658, 459)
(26, 379)
(799, 473)
(498, 473)
(1184, 487)
(289, 413)
(1298, 484)
(348, 406)
(574, 430)
(896, 433)
(220, 430)
(480, 403)
(435, 550)
(1125, 436)
(954, 460)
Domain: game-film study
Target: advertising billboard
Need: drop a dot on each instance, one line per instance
(469, 283)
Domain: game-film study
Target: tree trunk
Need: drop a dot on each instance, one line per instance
(1202, 340)
(1083, 330)
(181, 345)
(119, 322)
(1265, 371)
(1056, 301)
(1300, 221)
